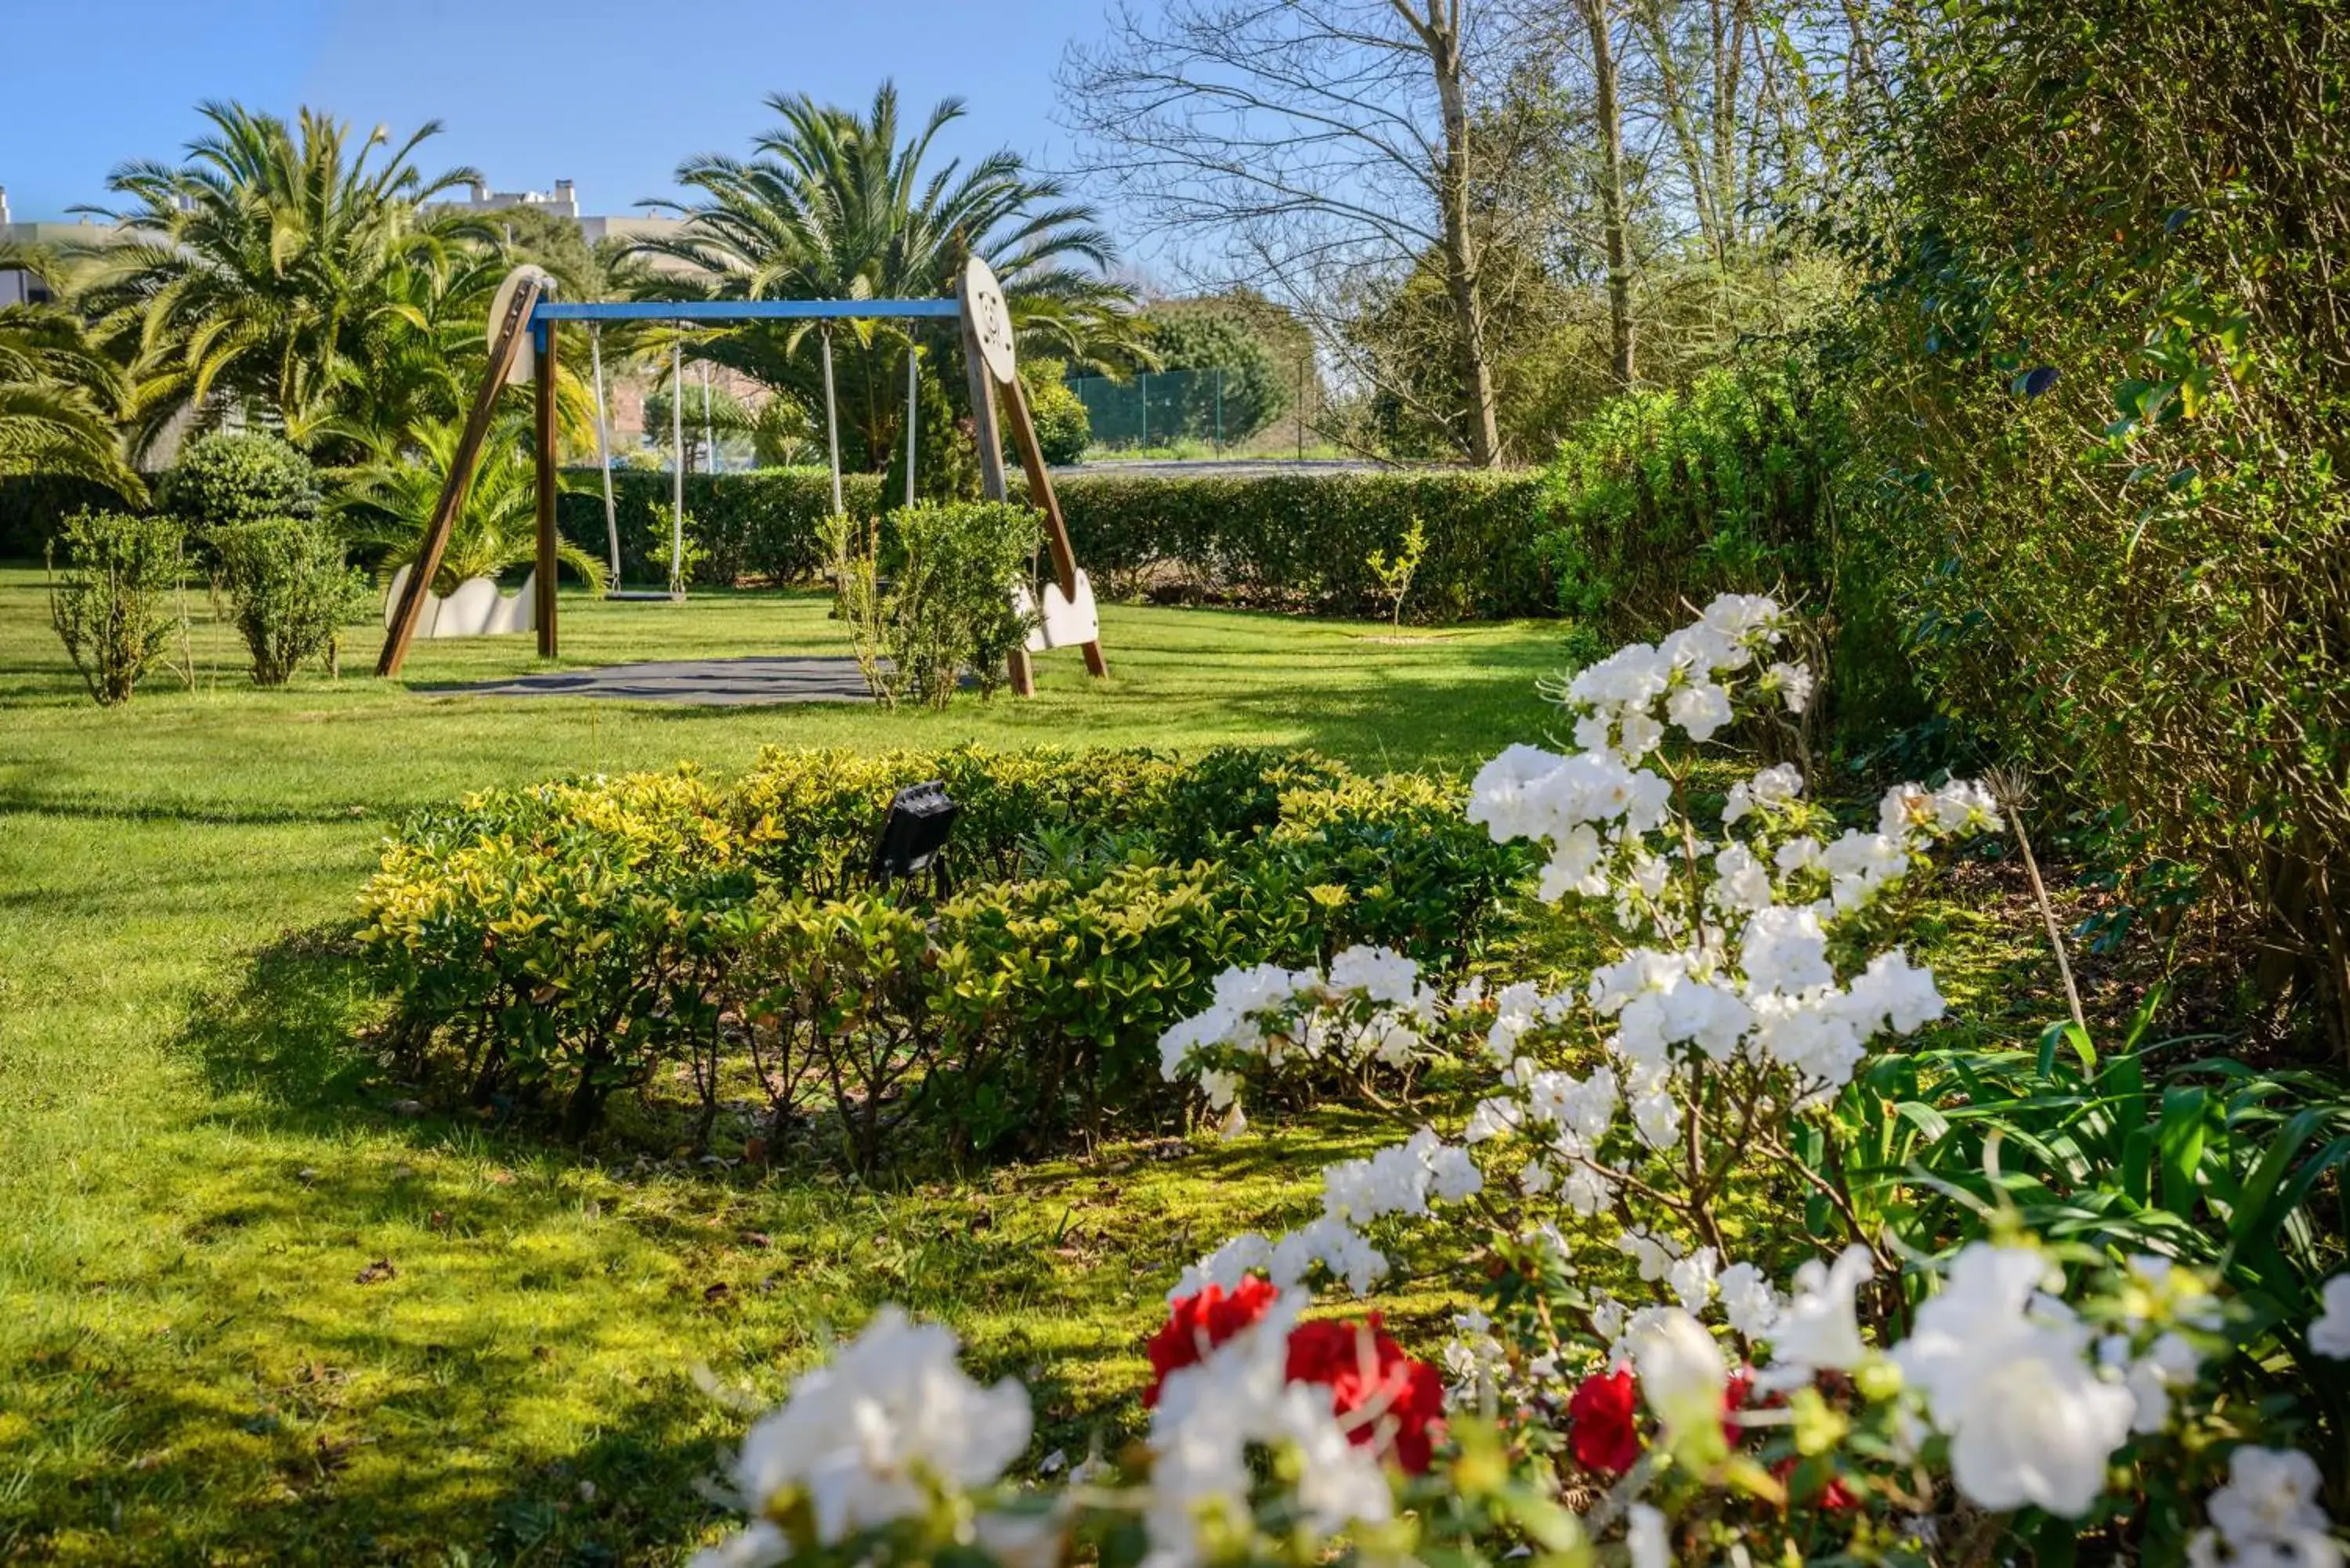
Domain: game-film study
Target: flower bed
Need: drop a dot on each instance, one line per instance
(2030, 1308)
(565, 942)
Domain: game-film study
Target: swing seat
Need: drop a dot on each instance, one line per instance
(643, 596)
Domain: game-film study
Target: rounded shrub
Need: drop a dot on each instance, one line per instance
(1063, 429)
(224, 479)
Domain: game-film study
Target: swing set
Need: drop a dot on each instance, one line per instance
(525, 310)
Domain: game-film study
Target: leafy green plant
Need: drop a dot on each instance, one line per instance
(1661, 497)
(2207, 1160)
(386, 506)
(289, 593)
(2096, 391)
(1063, 429)
(111, 607)
(226, 479)
(1280, 541)
(928, 596)
(1394, 572)
(578, 939)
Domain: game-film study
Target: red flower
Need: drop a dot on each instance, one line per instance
(1733, 1399)
(1378, 1392)
(1835, 1496)
(1601, 1430)
(1199, 1322)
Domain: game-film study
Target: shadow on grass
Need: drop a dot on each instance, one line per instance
(287, 1036)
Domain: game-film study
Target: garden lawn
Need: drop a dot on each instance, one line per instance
(249, 1312)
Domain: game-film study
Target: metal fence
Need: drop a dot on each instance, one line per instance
(1164, 409)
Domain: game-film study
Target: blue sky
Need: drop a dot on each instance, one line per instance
(611, 96)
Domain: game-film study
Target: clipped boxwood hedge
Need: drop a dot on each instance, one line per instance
(1283, 541)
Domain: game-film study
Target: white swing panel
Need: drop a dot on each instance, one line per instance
(476, 609)
(1065, 622)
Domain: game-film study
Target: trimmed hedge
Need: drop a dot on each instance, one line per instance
(1286, 541)
(762, 527)
(1292, 542)
(33, 506)
(560, 946)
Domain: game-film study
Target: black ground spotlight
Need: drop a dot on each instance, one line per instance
(920, 817)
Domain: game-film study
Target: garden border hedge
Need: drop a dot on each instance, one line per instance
(1290, 542)
(1297, 542)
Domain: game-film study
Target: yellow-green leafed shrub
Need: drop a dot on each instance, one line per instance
(561, 942)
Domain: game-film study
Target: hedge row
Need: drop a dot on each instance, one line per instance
(33, 504)
(1297, 542)
(561, 946)
(1288, 541)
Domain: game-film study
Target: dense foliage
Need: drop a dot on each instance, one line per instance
(1286, 542)
(2105, 385)
(837, 204)
(1665, 497)
(578, 939)
(386, 505)
(112, 605)
(33, 508)
(928, 594)
(288, 592)
(226, 479)
(60, 398)
(294, 275)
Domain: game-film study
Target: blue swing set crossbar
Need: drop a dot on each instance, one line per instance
(742, 309)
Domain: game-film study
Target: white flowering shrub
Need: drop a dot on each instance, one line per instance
(1681, 1125)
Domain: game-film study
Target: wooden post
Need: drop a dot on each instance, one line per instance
(1040, 495)
(504, 349)
(543, 389)
(992, 485)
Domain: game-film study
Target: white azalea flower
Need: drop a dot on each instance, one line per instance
(866, 1436)
(2329, 1334)
(1748, 1302)
(2008, 1382)
(1818, 1329)
(2268, 1514)
(1683, 1374)
(1645, 1538)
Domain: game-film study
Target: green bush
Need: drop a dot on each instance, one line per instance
(2100, 395)
(1303, 542)
(927, 594)
(1295, 542)
(224, 480)
(1063, 429)
(290, 592)
(575, 939)
(764, 526)
(1661, 497)
(110, 608)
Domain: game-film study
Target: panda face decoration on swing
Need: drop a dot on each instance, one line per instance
(990, 321)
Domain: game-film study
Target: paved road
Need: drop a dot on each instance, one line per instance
(1202, 468)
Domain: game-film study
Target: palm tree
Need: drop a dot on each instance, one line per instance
(833, 206)
(387, 503)
(61, 399)
(269, 270)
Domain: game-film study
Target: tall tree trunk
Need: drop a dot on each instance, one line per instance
(1439, 30)
(1612, 202)
(1650, 16)
(1728, 72)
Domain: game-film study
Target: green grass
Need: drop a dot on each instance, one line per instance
(197, 1161)
(200, 1159)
